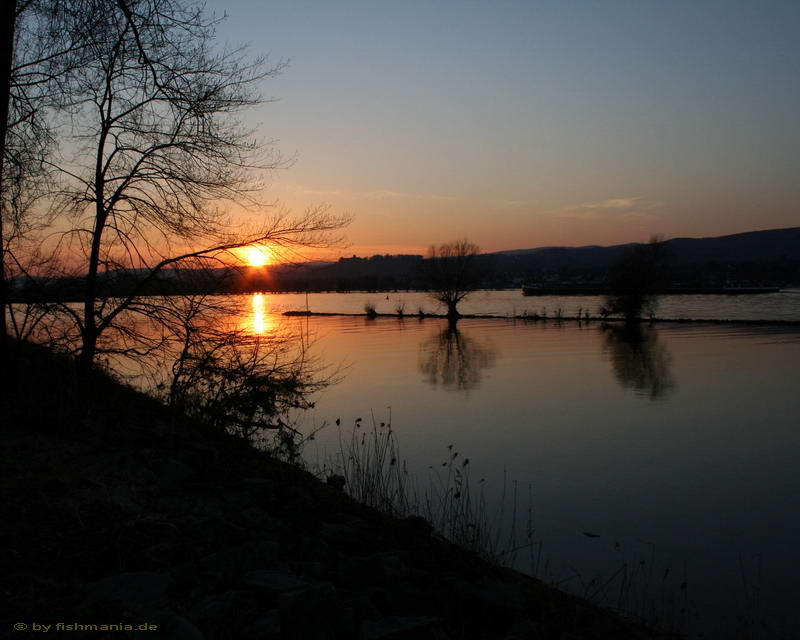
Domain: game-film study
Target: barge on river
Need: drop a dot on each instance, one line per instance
(599, 290)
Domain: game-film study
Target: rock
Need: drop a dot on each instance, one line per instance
(215, 608)
(363, 606)
(336, 481)
(257, 483)
(171, 625)
(524, 629)
(274, 581)
(310, 569)
(312, 614)
(228, 564)
(232, 563)
(175, 471)
(219, 529)
(126, 505)
(343, 537)
(137, 589)
(265, 553)
(265, 627)
(143, 474)
(494, 596)
(401, 628)
(401, 598)
(310, 549)
(419, 525)
(235, 501)
(258, 517)
(226, 614)
(376, 569)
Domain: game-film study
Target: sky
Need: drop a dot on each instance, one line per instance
(532, 123)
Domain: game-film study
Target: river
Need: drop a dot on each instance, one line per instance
(664, 456)
(659, 463)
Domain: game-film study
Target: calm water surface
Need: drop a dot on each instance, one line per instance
(675, 446)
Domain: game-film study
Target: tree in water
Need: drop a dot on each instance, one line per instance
(634, 281)
(451, 273)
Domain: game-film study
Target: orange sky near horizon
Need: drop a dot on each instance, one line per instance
(529, 124)
(397, 224)
(521, 124)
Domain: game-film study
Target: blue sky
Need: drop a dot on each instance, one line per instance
(533, 123)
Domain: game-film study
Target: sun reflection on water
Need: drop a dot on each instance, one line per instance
(260, 321)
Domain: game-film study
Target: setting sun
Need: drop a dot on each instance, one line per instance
(256, 255)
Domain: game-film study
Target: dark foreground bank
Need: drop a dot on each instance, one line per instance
(135, 517)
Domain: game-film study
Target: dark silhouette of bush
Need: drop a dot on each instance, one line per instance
(634, 280)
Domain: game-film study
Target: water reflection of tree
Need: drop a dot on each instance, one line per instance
(639, 359)
(453, 360)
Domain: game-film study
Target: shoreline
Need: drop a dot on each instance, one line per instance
(543, 318)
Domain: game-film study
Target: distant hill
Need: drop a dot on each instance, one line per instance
(774, 245)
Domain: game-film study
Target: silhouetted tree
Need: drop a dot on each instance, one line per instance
(9, 18)
(159, 152)
(635, 279)
(42, 43)
(451, 274)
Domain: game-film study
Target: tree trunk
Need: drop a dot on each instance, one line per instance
(91, 331)
(6, 60)
(84, 367)
(86, 357)
(452, 311)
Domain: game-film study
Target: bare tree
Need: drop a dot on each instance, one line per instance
(9, 15)
(451, 273)
(635, 279)
(42, 44)
(160, 152)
